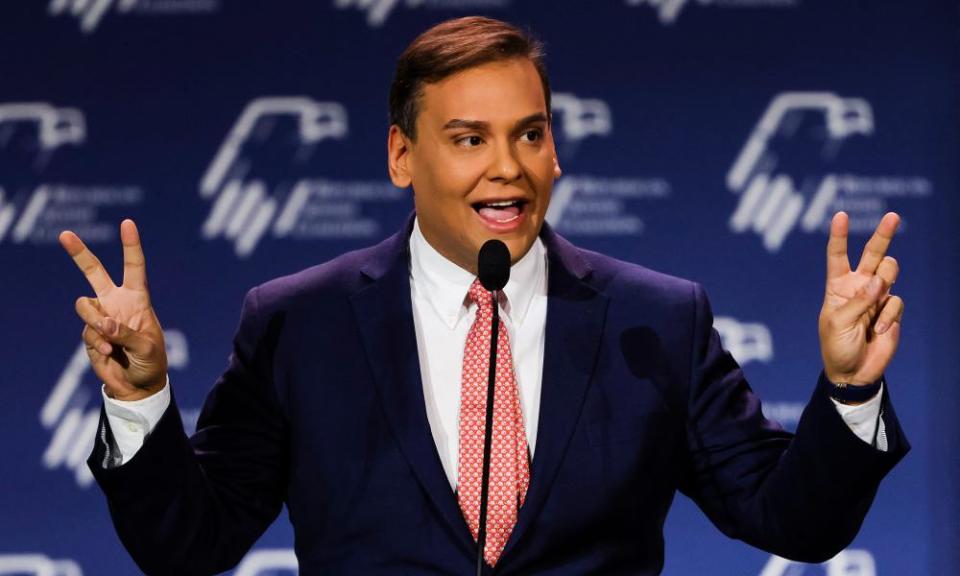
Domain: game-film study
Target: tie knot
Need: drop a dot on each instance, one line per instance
(480, 295)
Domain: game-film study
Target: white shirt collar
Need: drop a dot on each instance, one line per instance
(445, 285)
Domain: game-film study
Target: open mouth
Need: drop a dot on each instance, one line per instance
(501, 211)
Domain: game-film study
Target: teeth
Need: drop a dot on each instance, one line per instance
(501, 204)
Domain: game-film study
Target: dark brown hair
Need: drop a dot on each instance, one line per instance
(453, 46)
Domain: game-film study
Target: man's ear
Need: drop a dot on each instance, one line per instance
(398, 154)
(557, 172)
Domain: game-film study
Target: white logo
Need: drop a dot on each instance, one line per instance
(71, 418)
(36, 211)
(669, 10)
(585, 205)
(91, 12)
(771, 204)
(597, 205)
(847, 563)
(267, 562)
(752, 342)
(379, 10)
(746, 341)
(55, 127)
(37, 565)
(51, 128)
(579, 119)
(250, 199)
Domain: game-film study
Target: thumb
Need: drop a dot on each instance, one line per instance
(867, 296)
(118, 333)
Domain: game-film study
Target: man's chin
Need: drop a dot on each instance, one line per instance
(518, 241)
(518, 246)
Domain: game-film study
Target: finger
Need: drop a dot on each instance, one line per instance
(88, 309)
(134, 264)
(117, 332)
(866, 297)
(891, 313)
(112, 330)
(876, 247)
(88, 263)
(837, 262)
(95, 341)
(888, 270)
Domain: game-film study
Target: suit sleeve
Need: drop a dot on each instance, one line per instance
(802, 497)
(196, 505)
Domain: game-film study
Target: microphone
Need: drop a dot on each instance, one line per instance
(493, 268)
(493, 265)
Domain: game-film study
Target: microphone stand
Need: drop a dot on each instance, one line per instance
(488, 433)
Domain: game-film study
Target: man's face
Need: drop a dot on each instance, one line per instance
(483, 163)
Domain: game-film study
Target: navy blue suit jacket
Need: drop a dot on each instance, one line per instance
(322, 409)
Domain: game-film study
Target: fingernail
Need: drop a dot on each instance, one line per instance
(99, 326)
(881, 327)
(874, 286)
(110, 326)
(105, 348)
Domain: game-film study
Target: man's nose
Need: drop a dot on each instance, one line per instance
(504, 165)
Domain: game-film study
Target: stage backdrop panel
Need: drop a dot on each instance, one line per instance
(711, 139)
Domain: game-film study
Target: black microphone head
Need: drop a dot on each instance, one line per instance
(493, 264)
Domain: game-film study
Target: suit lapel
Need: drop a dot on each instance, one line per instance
(576, 314)
(385, 315)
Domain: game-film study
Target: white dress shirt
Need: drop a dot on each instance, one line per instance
(443, 316)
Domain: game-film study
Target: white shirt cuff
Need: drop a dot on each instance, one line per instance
(864, 420)
(132, 421)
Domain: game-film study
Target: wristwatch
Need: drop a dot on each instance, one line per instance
(846, 393)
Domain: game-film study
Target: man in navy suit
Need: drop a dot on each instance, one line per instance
(341, 396)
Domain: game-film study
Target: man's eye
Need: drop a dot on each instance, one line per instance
(533, 135)
(469, 141)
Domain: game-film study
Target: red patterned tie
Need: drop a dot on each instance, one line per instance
(509, 468)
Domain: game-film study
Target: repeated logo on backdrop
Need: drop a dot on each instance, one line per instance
(263, 562)
(668, 11)
(284, 561)
(37, 565)
(266, 180)
(90, 13)
(746, 341)
(775, 202)
(72, 410)
(35, 207)
(268, 562)
(751, 342)
(588, 205)
(850, 562)
(378, 11)
(284, 177)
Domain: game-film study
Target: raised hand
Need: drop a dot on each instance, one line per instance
(860, 319)
(122, 334)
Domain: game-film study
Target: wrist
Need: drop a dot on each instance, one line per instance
(133, 394)
(846, 378)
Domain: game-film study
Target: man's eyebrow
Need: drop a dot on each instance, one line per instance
(457, 123)
(531, 119)
(480, 125)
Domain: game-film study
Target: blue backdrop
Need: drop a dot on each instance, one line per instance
(710, 139)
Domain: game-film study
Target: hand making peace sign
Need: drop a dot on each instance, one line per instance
(122, 334)
(860, 320)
